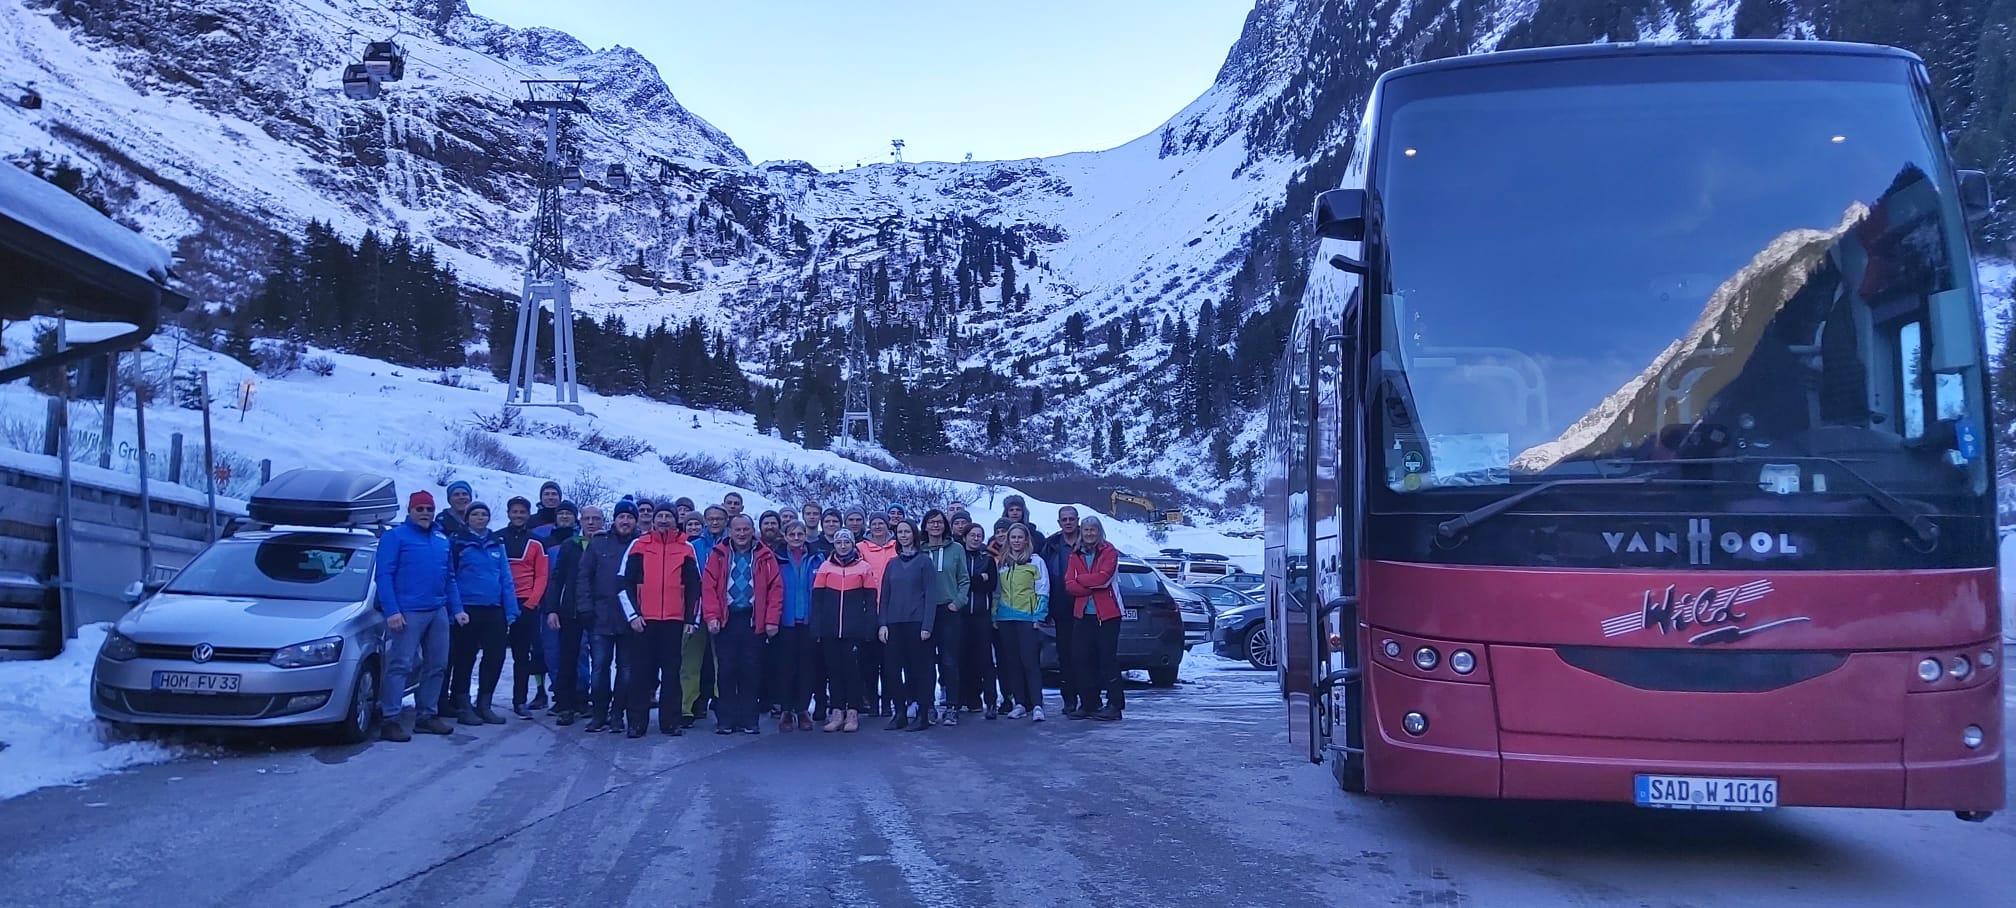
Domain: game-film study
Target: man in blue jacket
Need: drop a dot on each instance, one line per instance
(483, 586)
(416, 591)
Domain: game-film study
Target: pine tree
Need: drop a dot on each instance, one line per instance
(1074, 332)
(766, 410)
(818, 426)
(1014, 421)
(1098, 449)
(1007, 283)
(994, 430)
(1115, 343)
(1117, 446)
(1759, 19)
(1035, 400)
(1222, 464)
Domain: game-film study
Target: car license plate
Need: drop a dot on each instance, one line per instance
(1705, 793)
(1132, 614)
(195, 683)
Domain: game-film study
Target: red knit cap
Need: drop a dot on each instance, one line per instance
(422, 498)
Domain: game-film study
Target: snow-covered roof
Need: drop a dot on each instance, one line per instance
(41, 205)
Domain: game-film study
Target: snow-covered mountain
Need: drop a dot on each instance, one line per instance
(216, 126)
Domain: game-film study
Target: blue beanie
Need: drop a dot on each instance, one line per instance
(626, 506)
(463, 485)
(897, 508)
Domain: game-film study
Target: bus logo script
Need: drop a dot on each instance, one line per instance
(1713, 615)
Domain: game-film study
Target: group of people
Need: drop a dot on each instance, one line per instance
(816, 618)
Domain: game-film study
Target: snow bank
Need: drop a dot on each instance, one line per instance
(46, 727)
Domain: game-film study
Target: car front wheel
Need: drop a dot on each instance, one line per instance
(1260, 648)
(362, 720)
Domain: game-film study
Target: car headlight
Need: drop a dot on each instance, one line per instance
(118, 647)
(314, 652)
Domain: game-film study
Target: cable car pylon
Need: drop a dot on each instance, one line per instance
(546, 259)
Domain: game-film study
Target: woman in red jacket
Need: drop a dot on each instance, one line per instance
(1088, 578)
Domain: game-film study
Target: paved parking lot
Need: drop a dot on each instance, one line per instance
(1195, 799)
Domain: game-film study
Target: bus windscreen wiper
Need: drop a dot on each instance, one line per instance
(1920, 525)
(1456, 526)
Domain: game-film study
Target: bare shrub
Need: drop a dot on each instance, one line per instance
(449, 380)
(782, 480)
(696, 465)
(506, 421)
(277, 358)
(863, 453)
(482, 449)
(556, 431)
(589, 488)
(320, 365)
(619, 447)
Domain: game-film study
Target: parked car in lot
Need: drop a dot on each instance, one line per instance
(273, 625)
(1239, 628)
(1152, 627)
(1250, 584)
(1197, 612)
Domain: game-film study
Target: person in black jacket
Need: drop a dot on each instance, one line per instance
(616, 627)
(908, 618)
(1055, 550)
(976, 659)
(571, 611)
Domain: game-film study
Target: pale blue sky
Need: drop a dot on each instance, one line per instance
(832, 82)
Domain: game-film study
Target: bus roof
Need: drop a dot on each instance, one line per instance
(1639, 48)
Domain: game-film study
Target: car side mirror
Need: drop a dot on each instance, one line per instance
(1977, 196)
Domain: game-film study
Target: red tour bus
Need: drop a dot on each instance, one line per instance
(1631, 444)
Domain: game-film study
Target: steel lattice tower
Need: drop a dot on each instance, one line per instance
(855, 408)
(546, 260)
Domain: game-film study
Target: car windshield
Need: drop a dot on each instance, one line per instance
(278, 568)
(1756, 260)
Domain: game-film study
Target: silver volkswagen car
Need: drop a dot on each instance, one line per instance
(275, 625)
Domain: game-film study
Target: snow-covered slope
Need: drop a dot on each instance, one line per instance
(216, 127)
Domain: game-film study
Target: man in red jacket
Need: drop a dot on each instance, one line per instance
(742, 594)
(660, 580)
(529, 567)
(1088, 578)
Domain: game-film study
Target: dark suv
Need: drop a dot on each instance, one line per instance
(1151, 628)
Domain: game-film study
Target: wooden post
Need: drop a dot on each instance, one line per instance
(175, 458)
(146, 498)
(209, 457)
(265, 471)
(111, 403)
(66, 596)
(52, 429)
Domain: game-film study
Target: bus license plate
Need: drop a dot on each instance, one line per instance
(195, 683)
(1705, 793)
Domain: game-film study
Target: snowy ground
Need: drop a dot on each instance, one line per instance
(47, 733)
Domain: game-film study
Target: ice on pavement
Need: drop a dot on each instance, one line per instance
(46, 724)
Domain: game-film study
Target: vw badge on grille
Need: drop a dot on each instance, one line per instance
(203, 652)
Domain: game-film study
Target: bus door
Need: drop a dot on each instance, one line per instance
(1298, 586)
(1333, 641)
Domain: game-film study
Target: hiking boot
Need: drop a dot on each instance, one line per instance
(1082, 711)
(636, 732)
(724, 729)
(393, 731)
(433, 725)
(671, 731)
(1035, 715)
(1017, 713)
(564, 719)
(789, 722)
(538, 702)
(616, 726)
(834, 718)
(519, 710)
(467, 715)
(490, 717)
(1109, 714)
(853, 722)
(950, 717)
(751, 729)
(897, 723)
(596, 726)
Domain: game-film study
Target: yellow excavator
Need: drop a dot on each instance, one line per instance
(1170, 517)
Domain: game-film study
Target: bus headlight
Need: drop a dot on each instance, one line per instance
(1391, 648)
(1929, 671)
(1986, 660)
(1463, 662)
(1426, 658)
(1960, 667)
(1972, 737)
(1414, 723)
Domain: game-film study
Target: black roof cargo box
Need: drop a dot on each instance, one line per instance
(325, 498)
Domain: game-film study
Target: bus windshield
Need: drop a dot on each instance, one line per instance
(1751, 260)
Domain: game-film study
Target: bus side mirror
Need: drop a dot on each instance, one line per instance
(1340, 215)
(1977, 197)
